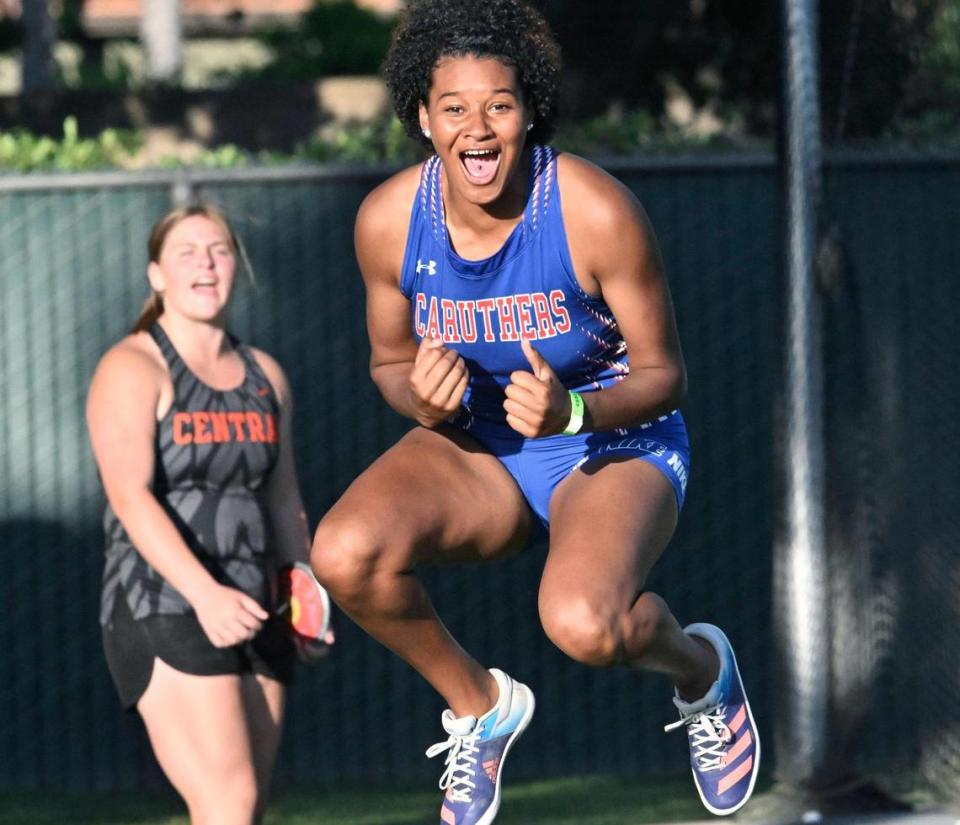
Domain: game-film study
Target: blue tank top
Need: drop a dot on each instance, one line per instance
(527, 289)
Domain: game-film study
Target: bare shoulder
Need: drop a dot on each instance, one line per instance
(131, 381)
(386, 210)
(275, 375)
(607, 228)
(135, 361)
(382, 223)
(596, 198)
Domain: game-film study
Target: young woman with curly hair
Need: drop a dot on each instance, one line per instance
(518, 312)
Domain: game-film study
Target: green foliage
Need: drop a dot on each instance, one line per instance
(937, 128)
(719, 52)
(724, 55)
(942, 57)
(379, 141)
(637, 132)
(382, 141)
(21, 151)
(228, 156)
(335, 37)
(881, 63)
(106, 74)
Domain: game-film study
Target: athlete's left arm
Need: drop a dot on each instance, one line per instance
(287, 515)
(616, 256)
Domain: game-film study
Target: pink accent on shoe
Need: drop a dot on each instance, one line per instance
(735, 775)
(741, 745)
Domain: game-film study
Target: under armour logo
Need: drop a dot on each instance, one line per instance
(431, 267)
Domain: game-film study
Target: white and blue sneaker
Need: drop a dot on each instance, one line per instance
(476, 749)
(724, 745)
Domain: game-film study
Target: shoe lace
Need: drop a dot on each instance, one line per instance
(708, 734)
(461, 764)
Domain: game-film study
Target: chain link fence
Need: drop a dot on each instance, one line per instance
(72, 263)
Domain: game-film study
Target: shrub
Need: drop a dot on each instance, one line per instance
(21, 151)
(381, 140)
(335, 37)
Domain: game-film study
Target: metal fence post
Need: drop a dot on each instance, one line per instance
(801, 606)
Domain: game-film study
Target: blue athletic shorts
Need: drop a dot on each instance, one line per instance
(539, 464)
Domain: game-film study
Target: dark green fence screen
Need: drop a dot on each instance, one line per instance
(72, 262)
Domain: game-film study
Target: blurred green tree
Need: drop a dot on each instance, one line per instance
(889, 68)
(881, 60)
(335, 37)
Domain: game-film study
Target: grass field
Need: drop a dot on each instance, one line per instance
(595, 800)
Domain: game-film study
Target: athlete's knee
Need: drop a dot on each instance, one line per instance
(649, 619)
(233, 799)
(346, 555)
(588, 633)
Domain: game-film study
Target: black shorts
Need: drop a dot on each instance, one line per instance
(131, 645)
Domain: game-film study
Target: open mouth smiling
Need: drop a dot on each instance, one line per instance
(204, 285)
(480, 165)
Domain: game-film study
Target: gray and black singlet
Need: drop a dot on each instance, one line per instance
(214, 451)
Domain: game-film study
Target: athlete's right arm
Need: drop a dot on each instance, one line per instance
(121, 419)
(425, 382)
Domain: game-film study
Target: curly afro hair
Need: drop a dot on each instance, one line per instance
(509, 30)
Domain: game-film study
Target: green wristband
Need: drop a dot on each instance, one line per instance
(576, 414)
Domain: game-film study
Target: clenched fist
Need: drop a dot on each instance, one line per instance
(437, 382)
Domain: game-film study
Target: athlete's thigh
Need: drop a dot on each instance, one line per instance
(198, 728)
(264, 701)
(439, 494)
(609, 523)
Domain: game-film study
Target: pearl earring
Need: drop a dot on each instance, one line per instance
(529, 126)
(426, 134)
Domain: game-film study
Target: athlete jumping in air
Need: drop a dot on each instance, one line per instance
(518, 312)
